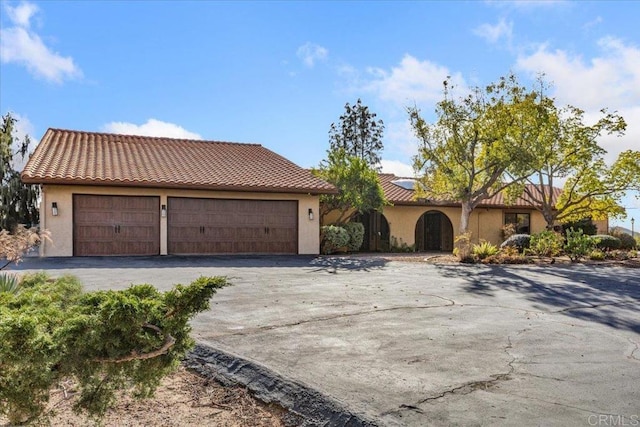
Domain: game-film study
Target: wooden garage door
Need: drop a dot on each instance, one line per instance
(225, 226)
(116, 225)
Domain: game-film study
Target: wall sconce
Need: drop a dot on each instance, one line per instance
(54, 209)
(310, 214)
(163, 211)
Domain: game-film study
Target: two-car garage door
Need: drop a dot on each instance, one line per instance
(213, 226)
(130, 225)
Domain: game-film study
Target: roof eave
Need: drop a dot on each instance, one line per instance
(182, 186)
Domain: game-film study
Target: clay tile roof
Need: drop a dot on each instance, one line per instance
(401, 196)
(75, 157)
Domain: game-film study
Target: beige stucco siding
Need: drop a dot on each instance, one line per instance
(61, 226)
(484, 223)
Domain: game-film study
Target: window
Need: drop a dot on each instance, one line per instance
(521, 221)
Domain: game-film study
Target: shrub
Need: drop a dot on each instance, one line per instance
(606, 242)
(333, 237)
(9, 283)
(106, 341)
(518, 241)
(484, 250)
(586, 225)
(578, 244)
(627, 242)
(462, 247)
(356, 235)
(397, 245)
(546, 243)
(596, 255)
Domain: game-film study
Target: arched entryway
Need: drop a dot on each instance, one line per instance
(376, 232)
(434, 232)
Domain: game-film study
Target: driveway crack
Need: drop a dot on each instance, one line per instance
(337, 316)
(636, 349)
(465, 388)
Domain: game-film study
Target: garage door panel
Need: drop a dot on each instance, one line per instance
(220, 233)
(116, 225)
(232, 226)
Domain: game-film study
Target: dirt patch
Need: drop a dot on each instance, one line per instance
(183, 399)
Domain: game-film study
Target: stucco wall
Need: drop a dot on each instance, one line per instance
(484, 223)
(61, 226)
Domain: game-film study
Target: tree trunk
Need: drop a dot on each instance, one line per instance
(467, 208)
(463, 241)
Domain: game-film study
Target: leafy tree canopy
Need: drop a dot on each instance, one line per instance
(18, 201)
(465, 154)
(358, 134)
(567, 149)
(359, 188)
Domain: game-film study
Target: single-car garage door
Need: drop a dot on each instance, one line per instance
(116, 225)
(226, 226)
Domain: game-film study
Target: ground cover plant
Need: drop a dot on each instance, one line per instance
(106, 341)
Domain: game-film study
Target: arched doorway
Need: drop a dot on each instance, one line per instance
(376, 232)
(434, 232)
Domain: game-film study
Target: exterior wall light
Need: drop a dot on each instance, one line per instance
(310, 214)
(54, 209)
(163, 211)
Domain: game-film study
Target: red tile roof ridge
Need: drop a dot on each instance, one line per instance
(162, 138)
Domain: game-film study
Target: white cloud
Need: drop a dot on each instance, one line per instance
(493, 33)
(593, 23)
(397, 168)
(152, 127)
(411, 81)
(21, 15)
(310, 53)
(18, 44)
(611, 79)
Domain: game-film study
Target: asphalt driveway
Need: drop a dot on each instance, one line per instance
(417, 344)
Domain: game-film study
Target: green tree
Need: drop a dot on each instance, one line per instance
(106, 341)
(567, 150)
(18, 200)
(358, 134)
(465, 154)
(359, 188)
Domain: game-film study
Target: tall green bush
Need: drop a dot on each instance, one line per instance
(105, 340)
(546, 243)
(333, 237)
(578, 244)
(356, 235)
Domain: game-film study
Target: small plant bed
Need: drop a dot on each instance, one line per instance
(549, 247)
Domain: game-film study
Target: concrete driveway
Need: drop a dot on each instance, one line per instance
(400, 343)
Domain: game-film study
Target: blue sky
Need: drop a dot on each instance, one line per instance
(279, 73)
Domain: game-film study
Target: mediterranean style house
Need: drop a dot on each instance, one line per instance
(108, 194)
(428, 225)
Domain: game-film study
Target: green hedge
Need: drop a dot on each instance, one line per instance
(606, 242)
(333, 237)
(356, 235)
